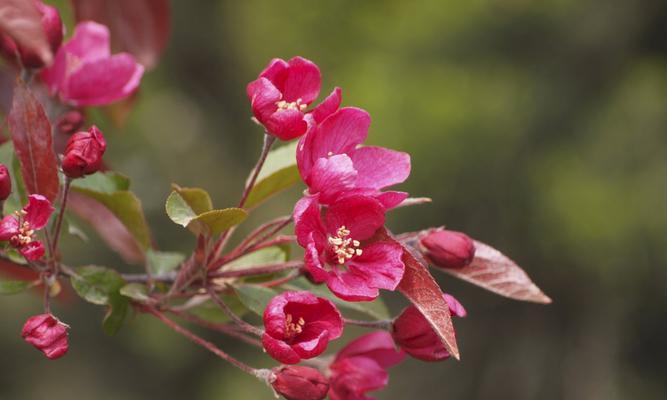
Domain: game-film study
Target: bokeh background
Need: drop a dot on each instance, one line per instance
(538, 127)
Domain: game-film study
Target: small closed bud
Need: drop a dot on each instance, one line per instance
(448, 249)
(300, 383)
(69, 122)
(83, 154)
(5, 183)
(47, 334)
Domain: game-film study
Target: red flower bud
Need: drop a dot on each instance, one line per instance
(5, 183)
(83, 154)
(69, 122)
(300, 383)
(47, 334)
(448, 249)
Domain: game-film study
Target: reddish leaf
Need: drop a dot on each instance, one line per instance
(423, 291)
(31, 134)
(110, 228)
(140, 27)
(21, 20)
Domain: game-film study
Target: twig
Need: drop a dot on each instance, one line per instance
(232, 315)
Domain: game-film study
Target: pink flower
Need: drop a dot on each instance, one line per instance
(415, 336)
(336, 251)
(362, 366)
(5, 183)
(295, 382)
(332, 164)
(19, 229)
(299, 325)
(47, 334)
(83, 154)
(282, 92)
(85, 73)
(448, 249)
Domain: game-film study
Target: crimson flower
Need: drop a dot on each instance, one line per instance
(83, 154)
(335, 251)
(84, 73)
(362, 366)
(5, 183)
(415, 336)
(299, 325)
(332, 164)
(281, 94)
(47, 334)
(295, 382)
(19, 229)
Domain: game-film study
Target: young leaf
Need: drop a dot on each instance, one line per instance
(103, 182)
(211, 312)
(97, 284)
(211, 222)
(198, 199)
(135, 291)
(22, 21)
(13, 287)
(218, 221)
(279, 173)
(116, 313)
(161, 262)
(254, 297)
(31, 134)
(267, 255)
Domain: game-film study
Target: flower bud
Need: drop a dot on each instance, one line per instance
(448, 249)
(69, 122)
(47, 334)
(300, 383)
(83, 154)
(5, 183)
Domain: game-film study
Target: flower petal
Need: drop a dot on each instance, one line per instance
(379, 167)
(279, 350)
(32, 251)
(9, 226)
(380, 264)
(303, 81)
(331, 176)
(38, 211)
(328, 106)
(308, 222)
(391, 199)
(361, 215)
(263, 96)
(351, 287)
(286, 124)
(89, 42)
(378, 346)
(339, 133)
(276, 72)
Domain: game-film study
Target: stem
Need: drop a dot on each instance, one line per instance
(61, 213)
(204, 343)
(240, 322)
(258, 270)
(226, 329)
(254, 236)
(384, 324)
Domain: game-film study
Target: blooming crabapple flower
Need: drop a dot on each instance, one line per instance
(299, 325)
(335, 251)
(5, 183)
(47, 334)
(448, 249)
(85, 73)
(362, 366)
(19, 229)
(282, 92)
(332, 164)
(53, 29)
(83, 154)
(295, 382)
(415, 336)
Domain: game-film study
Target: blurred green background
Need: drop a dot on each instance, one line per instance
(538, 127)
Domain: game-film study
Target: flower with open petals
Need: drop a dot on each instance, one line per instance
(47, 334)
(85, 73)
(299, 325)
(283, 91)
(415, 336)
(336, 251)
(19, 229)
(362, 366)
(332, 163)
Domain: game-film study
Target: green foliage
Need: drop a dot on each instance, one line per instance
(13, 287)
(101, 286)
(160, 262)
(207, 310)
(279, 173)
(135, 291)
(267, 255)
(254, 297)
(183, 212)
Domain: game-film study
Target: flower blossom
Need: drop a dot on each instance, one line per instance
(83, 154)
(19, 229)
(47, 334)
(281, 94)
(362, 366)
(5, 182)
(84, 72)
(295, 382)
(299, 325)
(415, 336)
(335, 251)
(332, 163)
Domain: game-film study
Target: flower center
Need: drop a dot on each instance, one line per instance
(295, 105)
(344, 247)
(25, 233)
(293, 328)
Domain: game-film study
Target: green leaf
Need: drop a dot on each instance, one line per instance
(18, 195)
(211, 312)
(135, 291)
(374, 309)
(116, 314)
(198, 199)
(218, 221)
(254, 297)
(161, 262)
(179, 210)
(279, 173)
(210, 222)
(13, 287)
(103, 182)
(267, 255)
(96, 284)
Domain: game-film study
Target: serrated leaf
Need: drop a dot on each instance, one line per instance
(96, 284)
(161, 262)
(278, 173)
(103, 182)
(375, 309)
(135, 291)
(254, 297)
(13, 287)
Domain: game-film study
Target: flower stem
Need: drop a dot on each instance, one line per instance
(257, 270)
(232, 315)
(224, 328)
(61, 214)
(384, 324)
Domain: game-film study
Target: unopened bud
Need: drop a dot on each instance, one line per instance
(47, 334)
(448, 249)
(5, 183)
(300, 383)
(52, 25)
(70, 122)
(83, 154)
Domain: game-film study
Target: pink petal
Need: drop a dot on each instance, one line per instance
(276, 72)
(279, 350)
(104, 81)
(286, 124)
(303, 81)
(9, 227)
(353, 377)
(263, 96)
(391, 199)
(361, 215)
(378, 346)
(308, 222)
(331, 176)
(339, 133)
(351, 287)
(380, 264)
(89, 42)
(314, 264)
(379, 167)
(32, 251)
(328, 106)
(38, 211)
(455, 308)
(313, 345)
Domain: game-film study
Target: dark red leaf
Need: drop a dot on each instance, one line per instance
(31, 134)
(110, 228)
(423, 291)
(140, 27)
(21, 20)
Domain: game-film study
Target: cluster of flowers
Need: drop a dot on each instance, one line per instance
(336, 223)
